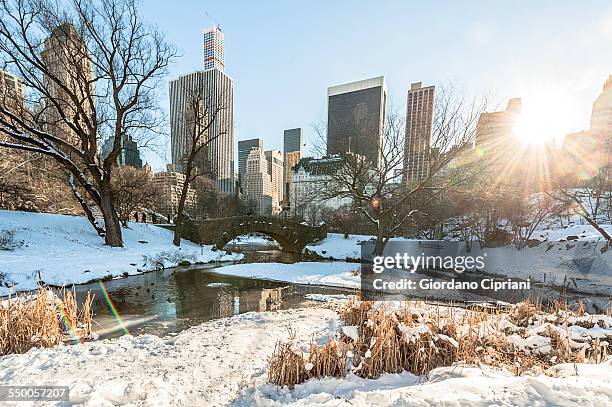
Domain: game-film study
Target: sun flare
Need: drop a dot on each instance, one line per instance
(544, 117)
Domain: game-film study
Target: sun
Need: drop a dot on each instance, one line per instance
(544, 117)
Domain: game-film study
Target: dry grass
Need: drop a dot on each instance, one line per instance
(43, 320)
(418, 338)
(327, 360)
(289, 365)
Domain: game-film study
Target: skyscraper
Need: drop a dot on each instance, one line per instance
(67, 59)
(244, 148)
(258, 183)
(419, 119)
(214, 48)
(601, 123)
(276, 170)
(356, 117)
(128, 155)
(215, 89)
(11, 92)
(292, 148)
(495, 131)
(293, 140)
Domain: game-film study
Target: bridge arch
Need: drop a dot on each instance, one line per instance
(291, 236)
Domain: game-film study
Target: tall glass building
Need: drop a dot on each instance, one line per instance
(356, 117)
(215, 88)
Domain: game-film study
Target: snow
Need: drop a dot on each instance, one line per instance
(251, 239)
(337, 247)
(459, 385)
(204, 365)
(337, 274)
(224, 362)
(351, 331)
(579, 264)
(66, 249)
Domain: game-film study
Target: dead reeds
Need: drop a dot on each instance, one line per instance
(43, 320)
(289, 365)
(377, 339)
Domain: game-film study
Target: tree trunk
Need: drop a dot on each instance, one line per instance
(111, 220)
(181, 209)
(379, 246)
(85, 206)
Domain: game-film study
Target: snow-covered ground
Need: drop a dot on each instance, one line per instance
(578, 262)
(251, 239)
(460, 385)
(224, 362)
(335, 246)
(337, 274)
(206, 365)
(65, 249)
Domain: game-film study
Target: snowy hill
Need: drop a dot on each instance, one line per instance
(65, 249)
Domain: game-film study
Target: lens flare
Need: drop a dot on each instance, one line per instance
(112, 308)
(67, 325)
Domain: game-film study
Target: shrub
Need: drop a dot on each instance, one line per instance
(9, 241)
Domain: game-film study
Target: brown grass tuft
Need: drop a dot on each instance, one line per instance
(27, 322)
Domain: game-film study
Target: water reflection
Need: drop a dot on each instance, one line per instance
(169, 301)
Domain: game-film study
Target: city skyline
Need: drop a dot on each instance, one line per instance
(511, 64)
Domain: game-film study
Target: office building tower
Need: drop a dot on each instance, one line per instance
(293, 140)
(258, 188)
(419, 119)
(495, 135)
(276, 170)
(129, 155)
(601, 125)
(214, 57)
(356, 118)
(291, 160)
(171, 185)
(214, 90)
(67, 59)
(601, 116)
(11, 93)
(244, 149)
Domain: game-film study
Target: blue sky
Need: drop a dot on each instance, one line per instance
(283, 55)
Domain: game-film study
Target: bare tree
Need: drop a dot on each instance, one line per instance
(390, 203)
(133, 189)
(574, 200)
(525, 213)
(200, 121)
(92, 70)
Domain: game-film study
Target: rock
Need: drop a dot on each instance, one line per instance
(572, 237)
(143, 241)
(184, 263)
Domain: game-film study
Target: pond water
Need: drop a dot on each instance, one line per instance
(171, 300)
(168, 301)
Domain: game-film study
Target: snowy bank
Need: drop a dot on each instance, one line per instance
(572, 256)
(66, 249)
(460, 385)
(224, 362)
(205, 365)
(337, 274)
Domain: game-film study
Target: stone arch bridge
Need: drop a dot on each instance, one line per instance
(291, 236)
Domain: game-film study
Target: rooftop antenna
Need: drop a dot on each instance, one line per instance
(212, 19)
